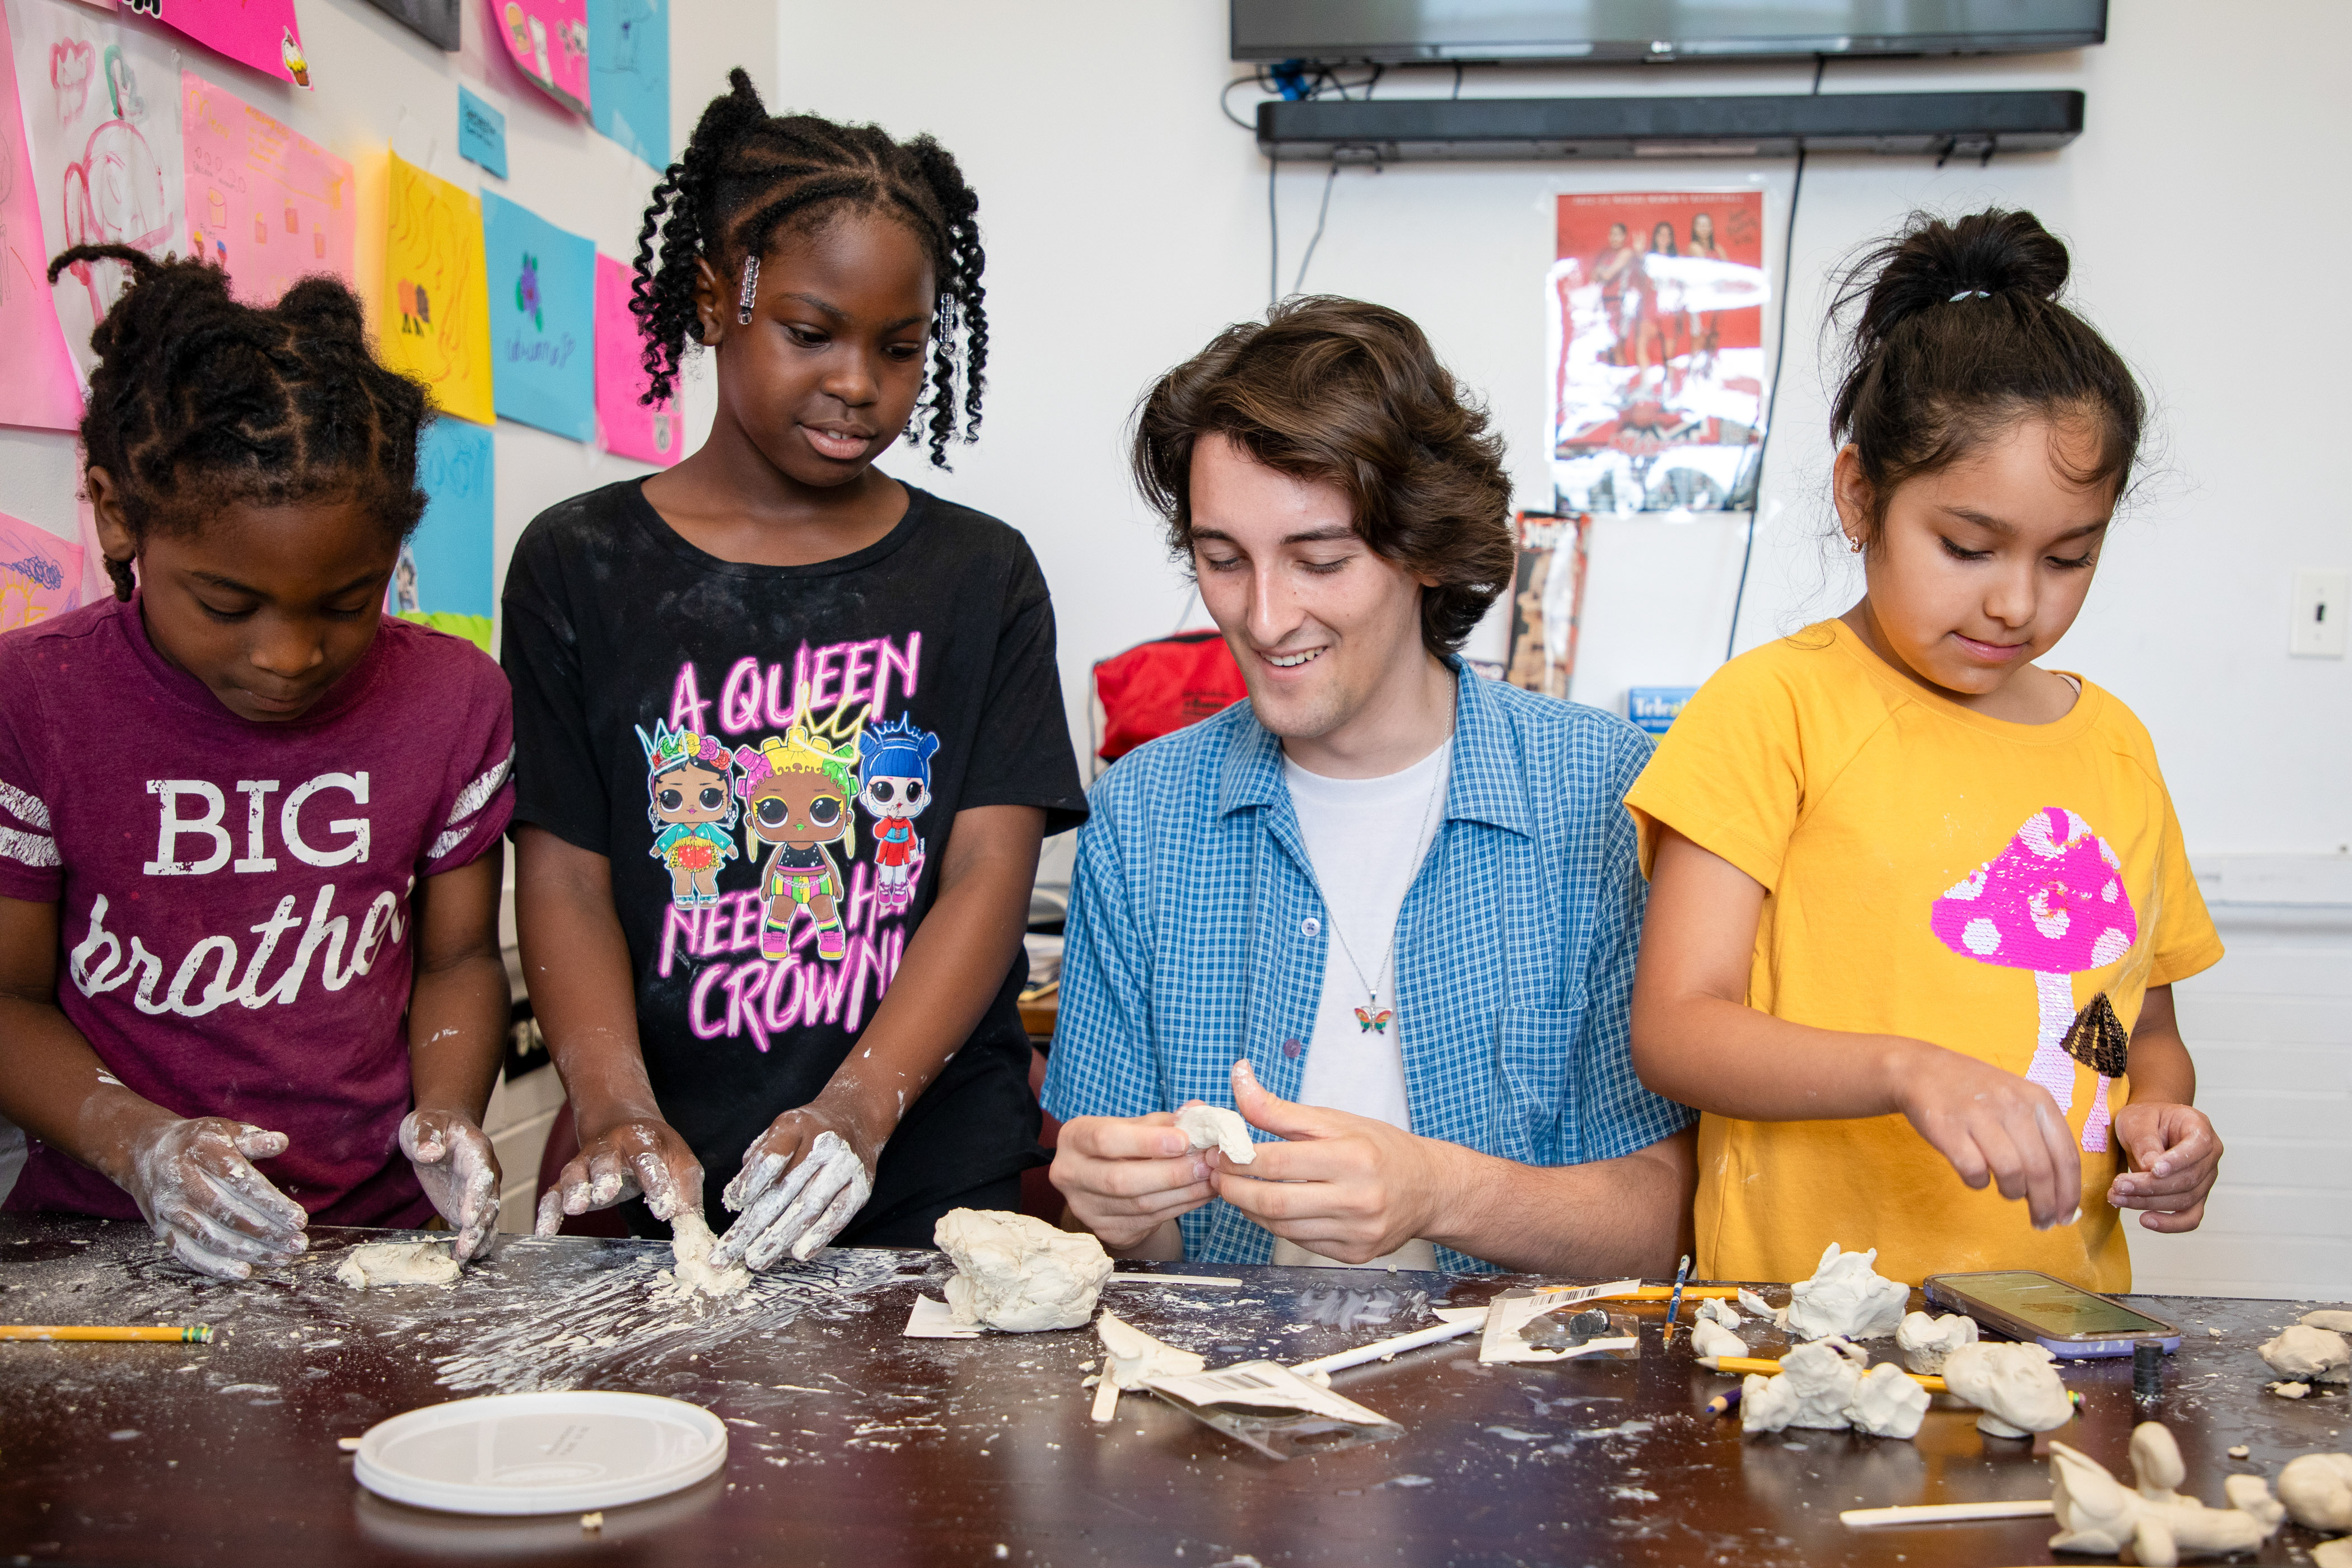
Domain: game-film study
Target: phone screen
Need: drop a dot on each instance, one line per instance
(2054, 1306)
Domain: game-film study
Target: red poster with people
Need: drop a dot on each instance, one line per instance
(1656, 307)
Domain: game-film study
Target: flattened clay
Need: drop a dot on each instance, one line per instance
(2339, 1321)
(1924, 1342)
(397, 1263)
(2095, 1514)
(1020, 1274)
(1711, 1337)
(2308, 1354)
(1214, 1127)
(1845, 1296)
(1754, 1303)
(2290, 1390)
(690, 1242)
(2317, 1489)
(1817, 1382)
(1718, 1312)
(2014, 1386)
(1887, 1403)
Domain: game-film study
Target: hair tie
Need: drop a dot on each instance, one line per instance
(1968, 294)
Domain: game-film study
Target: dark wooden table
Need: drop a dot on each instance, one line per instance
(852, 1445)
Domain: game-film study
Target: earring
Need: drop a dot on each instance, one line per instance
(751, 292)
(1853, 545)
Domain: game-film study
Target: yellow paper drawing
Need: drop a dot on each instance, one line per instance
(434, 315)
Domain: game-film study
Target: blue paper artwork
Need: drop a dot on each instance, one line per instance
(542, 320)
(444, 577)
(481, 133)
(628, 75)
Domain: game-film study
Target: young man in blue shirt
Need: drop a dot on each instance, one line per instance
(1385, 908)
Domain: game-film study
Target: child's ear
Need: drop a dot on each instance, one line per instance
(1851, 491)
(114, 536)
(710, 304)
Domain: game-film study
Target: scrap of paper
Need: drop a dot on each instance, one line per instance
(101, 109)
(445, 576)
(434, 317)
(933, 1319)
(481, 133)
(549, 42)
(628, 66)
(262, 33)
(626, 427)
(1508, 1314)
(542, 320)
(40, 389)
(40, 574)
(268, 204)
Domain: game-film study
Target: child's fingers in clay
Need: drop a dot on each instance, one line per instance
(754, 1179)
(549, 1221)
(736, 1245)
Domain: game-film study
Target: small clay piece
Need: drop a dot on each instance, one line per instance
(1020, 1274)
(1816, 1383)
(2317, 1489)
(1751, 1301)
(1887, 1403)
(593, 1522)
(2311, 1355)
(2239, 1451)
(2332, 1555)
(2096, 1515)
(397, 1263)
(2341, 1322)
(2014, 1386)
(1716, 1311)
(1709, 1337)
(1214, 1127)
(1845, 1296)
(348, 1445)
(690, 1244)
(1924, 1342)
(2291, 1390)
(1133, 1357)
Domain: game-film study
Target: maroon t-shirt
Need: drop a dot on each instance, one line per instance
(233, 899)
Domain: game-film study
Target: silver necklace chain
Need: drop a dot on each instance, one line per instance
(1387, 957)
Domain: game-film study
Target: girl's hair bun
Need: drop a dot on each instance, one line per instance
(1933, 262)
(324, 306)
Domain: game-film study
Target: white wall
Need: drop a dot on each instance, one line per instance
(378, 84)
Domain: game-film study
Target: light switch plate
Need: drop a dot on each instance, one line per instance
(2323, 602)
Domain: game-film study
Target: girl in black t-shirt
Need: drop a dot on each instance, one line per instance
(836, 1031)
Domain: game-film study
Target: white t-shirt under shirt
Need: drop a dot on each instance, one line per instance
(1367, 839)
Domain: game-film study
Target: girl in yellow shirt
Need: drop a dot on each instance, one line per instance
(1917, 903)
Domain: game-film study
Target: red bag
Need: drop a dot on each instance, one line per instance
(1156, 688)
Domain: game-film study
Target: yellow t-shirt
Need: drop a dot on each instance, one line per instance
(1934, 873)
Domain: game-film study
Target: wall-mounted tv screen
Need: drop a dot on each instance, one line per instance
(1403, 32)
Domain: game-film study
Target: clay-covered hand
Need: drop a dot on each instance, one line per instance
(642, 1155)
(195, 1183)
(2175, 1155)
(458, 1170)
(802, 1179)
(1993, 1126)
(1349, 1187)
(1124, 1177)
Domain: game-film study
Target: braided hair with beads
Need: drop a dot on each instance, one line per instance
(198, 400)
(748, 175)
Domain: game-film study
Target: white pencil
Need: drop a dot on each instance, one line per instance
(1946, 1512)
(1380, 1349)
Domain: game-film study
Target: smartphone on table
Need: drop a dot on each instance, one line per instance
(2069, 1322)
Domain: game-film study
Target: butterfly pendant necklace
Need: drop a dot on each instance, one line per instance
(1371, 1018)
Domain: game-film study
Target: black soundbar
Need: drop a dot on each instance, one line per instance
(1959, 124)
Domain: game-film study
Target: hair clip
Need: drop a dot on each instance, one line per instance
(1963, 294)
(751, 292)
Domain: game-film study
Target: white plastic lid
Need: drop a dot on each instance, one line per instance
(541, 1453)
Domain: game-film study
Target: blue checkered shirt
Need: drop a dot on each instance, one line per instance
(1196, 933)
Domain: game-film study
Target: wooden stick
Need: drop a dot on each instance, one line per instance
(1769, 1368)
(201, 1334)
(1380, 1349)
(1946, 1512)
(1172, 1280)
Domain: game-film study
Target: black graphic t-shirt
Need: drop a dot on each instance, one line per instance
(772, 758)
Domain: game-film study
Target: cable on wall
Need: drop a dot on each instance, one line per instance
(1321, 214)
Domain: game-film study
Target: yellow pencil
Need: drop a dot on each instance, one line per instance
(201, 1334)
(1660, 1292)
(1770, 1368)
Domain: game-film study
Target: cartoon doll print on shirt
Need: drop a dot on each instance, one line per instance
(893, 786)
(797, 790)
(692, 808)
(2052, 903)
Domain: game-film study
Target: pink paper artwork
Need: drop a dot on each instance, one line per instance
(625, 426)
(40, 574)
(266, 204)
(547, 40)
(101, 112)
(40, 389)
(262, 33)
(2052, 903)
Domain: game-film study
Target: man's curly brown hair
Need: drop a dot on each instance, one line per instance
(1340, 392)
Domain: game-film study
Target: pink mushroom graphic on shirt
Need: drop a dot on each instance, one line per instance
(2051, 902)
